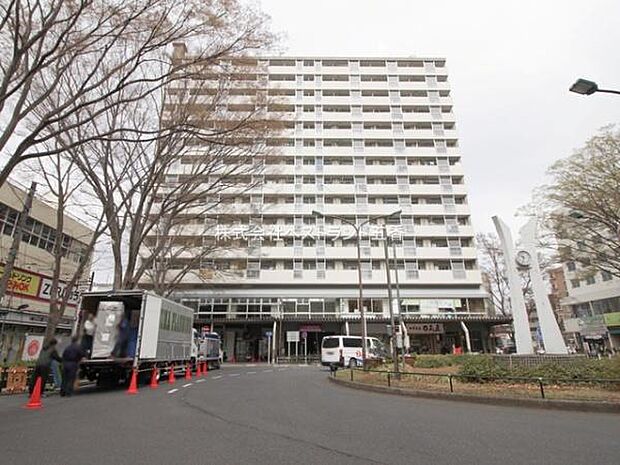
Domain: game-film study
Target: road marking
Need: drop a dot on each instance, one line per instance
(172, 391)
(267, 371)
(251, 372)
(217, 377)
(200, 381)
(234, 374)
(250, 365)
(187, 385)
(281, 369)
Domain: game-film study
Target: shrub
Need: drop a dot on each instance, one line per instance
(580, 369)
(437, 361)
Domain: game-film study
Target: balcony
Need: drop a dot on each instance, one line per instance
(332, 277)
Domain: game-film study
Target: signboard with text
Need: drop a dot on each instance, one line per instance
(31, 285)
(425, 328)
(292, 336)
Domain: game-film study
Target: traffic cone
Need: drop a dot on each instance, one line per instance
(34, 402)
(171, 374)
(198, 369)
(154, 383)
(133, 385)
(188, 372)
(205, 369)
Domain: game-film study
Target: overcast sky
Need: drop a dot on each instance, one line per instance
(510, 65)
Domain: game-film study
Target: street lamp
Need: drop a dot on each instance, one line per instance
(585, 87)
(357, 228)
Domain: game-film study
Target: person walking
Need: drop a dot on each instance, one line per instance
(44, 363)
(70, 363)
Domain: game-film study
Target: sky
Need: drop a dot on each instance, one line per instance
(510, 63)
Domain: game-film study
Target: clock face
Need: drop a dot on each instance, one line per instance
(523, 258)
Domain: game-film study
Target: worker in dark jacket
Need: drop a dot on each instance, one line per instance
(70, 363)
(44, 363)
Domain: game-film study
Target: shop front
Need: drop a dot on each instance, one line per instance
(612, 322)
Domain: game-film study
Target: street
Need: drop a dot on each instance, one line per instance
(289, 414)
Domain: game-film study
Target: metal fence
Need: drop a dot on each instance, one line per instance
(558, 388)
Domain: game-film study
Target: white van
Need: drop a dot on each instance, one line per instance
(347, 350)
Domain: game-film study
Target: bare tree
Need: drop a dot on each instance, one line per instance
(580, 207)
(72, 256)
(494, 269)
(166, 186)
(68, 61)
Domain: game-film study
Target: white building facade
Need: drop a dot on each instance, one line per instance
(363, 137)
(594, 303)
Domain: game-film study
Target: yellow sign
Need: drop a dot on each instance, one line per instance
(23, 283)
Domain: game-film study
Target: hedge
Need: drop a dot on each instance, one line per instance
(581, 369)
(437, 361)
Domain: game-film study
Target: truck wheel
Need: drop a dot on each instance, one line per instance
(352, 363)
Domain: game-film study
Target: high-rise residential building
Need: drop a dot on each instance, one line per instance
(363, 138)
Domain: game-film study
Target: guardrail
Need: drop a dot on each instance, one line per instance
(543, 385)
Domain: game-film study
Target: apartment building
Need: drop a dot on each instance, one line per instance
(25, 316)
(592, 307)
(363, 138)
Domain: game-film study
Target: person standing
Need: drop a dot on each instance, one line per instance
(44, 363)
(120, 348)
(88, 334)
(70, 363)
(55, 368)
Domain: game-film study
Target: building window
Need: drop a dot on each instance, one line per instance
(590, 280)
(570, 266)
(574, 283)
(40, 235)
(606, 275)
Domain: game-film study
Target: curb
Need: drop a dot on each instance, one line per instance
(573, 405)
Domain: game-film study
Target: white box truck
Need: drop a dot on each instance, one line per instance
(135, 329)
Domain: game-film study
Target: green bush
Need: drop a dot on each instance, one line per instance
(478, 367)
(438, 361)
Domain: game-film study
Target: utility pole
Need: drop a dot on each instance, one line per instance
(389, 289)
(17, 239)
(401, 323)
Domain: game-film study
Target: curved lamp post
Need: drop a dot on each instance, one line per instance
(585, 87)
(357, 228)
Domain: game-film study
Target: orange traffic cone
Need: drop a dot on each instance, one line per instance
(205, 369)
(198, 369)
(171, 374)
(154, 383)
(188, 372)
(133, 385)
(34, 402)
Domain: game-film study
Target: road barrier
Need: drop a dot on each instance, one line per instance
(543, 386)
(133, 384)
(34, 402)
(154, 378)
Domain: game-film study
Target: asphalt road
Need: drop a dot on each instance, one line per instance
(292, 415)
